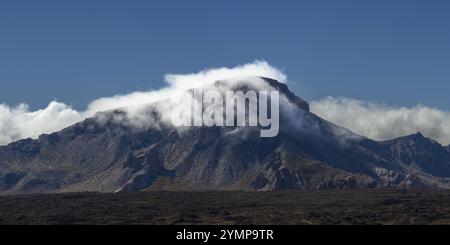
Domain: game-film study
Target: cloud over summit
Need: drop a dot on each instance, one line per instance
(372, 120)
(18, 122)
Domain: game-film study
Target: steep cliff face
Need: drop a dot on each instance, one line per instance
(309, 152)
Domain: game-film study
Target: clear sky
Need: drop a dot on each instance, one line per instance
(393, 52)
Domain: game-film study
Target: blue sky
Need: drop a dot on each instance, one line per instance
(393, 52)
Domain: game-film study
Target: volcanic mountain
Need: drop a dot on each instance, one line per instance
(105, 154)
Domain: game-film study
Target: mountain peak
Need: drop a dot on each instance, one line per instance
(420, 138)
(421, 152)
(105, 153)
(416, 138)
(245, 83)
(417, 135)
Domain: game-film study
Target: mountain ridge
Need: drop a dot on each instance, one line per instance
(309, 153)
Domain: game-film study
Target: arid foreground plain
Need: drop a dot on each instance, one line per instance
(304, 207)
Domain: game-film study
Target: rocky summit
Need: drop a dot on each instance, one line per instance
(309, 152)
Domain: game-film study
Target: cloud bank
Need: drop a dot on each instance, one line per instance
(382, 122)
(375, 121)
(18, 122)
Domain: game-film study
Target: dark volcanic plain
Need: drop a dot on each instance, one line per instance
(304, 207)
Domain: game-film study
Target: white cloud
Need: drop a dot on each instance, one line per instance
(382, 122)
(257, 68)
(19, 122)
(372, 120)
